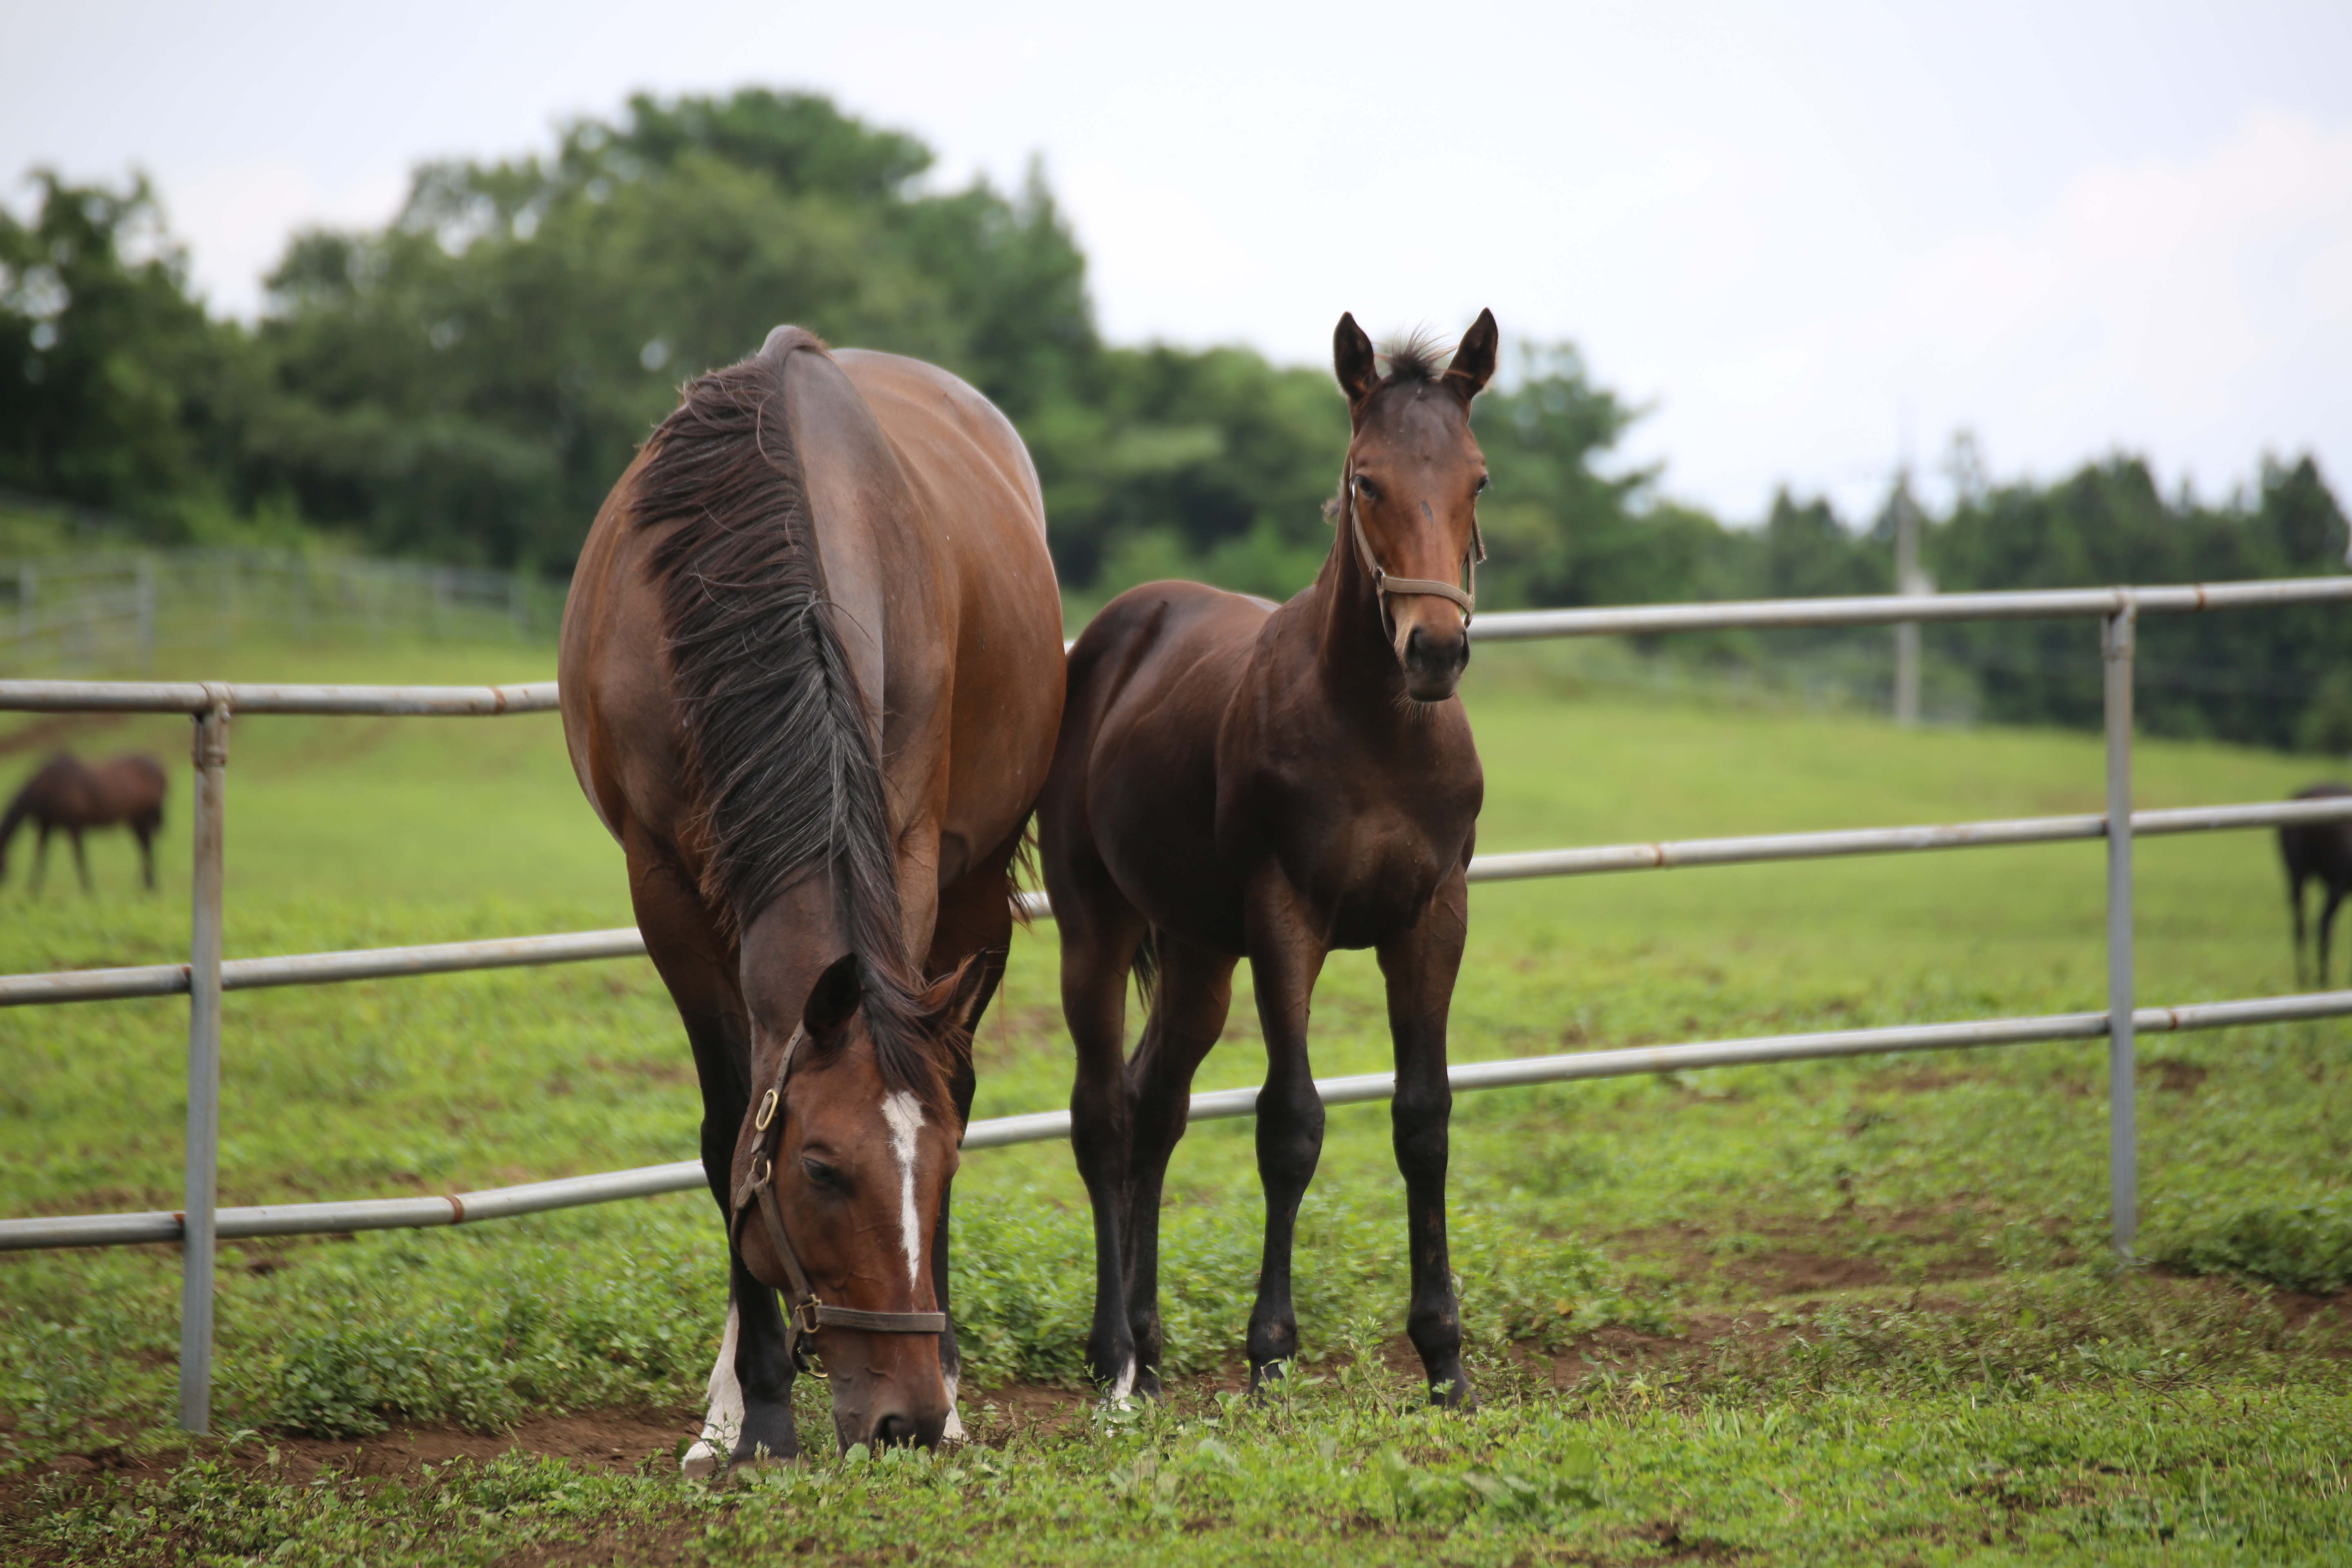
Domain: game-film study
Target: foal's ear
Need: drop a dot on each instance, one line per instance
(1353, 361)
(834, 998)
(969, 989)
(1473, 361)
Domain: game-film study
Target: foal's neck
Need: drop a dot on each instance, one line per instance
(1357, 665)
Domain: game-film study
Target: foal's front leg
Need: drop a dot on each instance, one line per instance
(1286, 958)
(1420, 967)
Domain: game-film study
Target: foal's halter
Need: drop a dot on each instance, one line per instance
(1384, 586)
(804, 1313)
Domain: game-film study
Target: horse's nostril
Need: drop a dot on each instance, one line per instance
(895, 1428)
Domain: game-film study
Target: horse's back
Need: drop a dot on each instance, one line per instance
(1136, 773)
(929, 528)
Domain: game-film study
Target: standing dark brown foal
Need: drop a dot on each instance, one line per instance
(811, 674)
(1239, 781)
(70, 796)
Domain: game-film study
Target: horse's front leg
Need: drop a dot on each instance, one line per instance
(1285, 953)
(82, 859)
(1420, 967)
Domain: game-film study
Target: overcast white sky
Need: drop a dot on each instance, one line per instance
(1802, 234)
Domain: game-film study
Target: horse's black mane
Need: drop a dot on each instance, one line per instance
(782, 746)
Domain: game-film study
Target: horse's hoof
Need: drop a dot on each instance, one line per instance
(701, 1462)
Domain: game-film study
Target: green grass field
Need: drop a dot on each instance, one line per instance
(1803, 1313)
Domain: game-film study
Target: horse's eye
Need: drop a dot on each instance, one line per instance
(1366, 488)
(823, 1174)
(1483, 480)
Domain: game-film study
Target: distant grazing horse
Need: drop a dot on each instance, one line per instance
(2323, 851)
(65, 794)
(1237, 780)
(812, 670)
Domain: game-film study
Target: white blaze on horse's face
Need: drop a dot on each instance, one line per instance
(904, 1113)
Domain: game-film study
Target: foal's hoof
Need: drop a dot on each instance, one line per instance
(1453, 1394)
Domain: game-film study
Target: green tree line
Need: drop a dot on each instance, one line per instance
(463, 385)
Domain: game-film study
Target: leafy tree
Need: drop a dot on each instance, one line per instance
(470, 381)
(116, 390)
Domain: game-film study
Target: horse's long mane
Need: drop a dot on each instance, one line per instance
(781, 750)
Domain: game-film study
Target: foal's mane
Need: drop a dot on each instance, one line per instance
(781, 751)
(1421, 357)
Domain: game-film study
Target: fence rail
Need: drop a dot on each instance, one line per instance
(199, 1226)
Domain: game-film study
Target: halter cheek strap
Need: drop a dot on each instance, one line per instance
(805, 1314)
(1384, 586)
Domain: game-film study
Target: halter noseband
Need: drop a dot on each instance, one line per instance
(805, 1314)
(1384, 586)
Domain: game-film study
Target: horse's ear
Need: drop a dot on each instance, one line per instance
(1353, 361)
(973, 983)
(1473, 361)
(834, 998)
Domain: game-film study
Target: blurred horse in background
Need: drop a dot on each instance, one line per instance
(2321, 850)
(66, 794)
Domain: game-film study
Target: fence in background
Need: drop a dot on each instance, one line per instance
(117, 610)
(201, 1223)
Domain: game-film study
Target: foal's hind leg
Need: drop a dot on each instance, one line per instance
(1100, 932)
(1286, 958)
(1421, 967)
(1194, 993)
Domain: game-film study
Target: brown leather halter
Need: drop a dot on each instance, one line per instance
(805, 1314)
(1384, 586)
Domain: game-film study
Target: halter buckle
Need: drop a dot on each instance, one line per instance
(766, 1114)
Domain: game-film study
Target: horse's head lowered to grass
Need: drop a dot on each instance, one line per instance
(841, 1172)
(1409, 495)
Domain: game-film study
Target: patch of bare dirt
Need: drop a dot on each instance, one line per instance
(2170, 1076)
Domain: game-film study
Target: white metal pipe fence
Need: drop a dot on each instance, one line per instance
(199, 1226)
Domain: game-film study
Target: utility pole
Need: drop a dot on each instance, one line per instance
(1908, 579)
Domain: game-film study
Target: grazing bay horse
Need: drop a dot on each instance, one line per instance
(1237, 780)
(2321, 850)
(64, 793)
(811, 672)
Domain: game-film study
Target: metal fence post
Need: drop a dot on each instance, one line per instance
(203, 1071)
(2123, 1129)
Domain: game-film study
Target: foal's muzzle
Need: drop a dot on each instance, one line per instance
(1434, 661)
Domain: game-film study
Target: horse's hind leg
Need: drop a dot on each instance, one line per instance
(81, 860)
(2294, 908)
(750, 1390)
(146, 854)
(1421, 968)
(975, 915)
(41, 860)
(1194, 993)
(1285, 957)
(2336, 891)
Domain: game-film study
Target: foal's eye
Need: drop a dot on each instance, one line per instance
(823, 1174)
